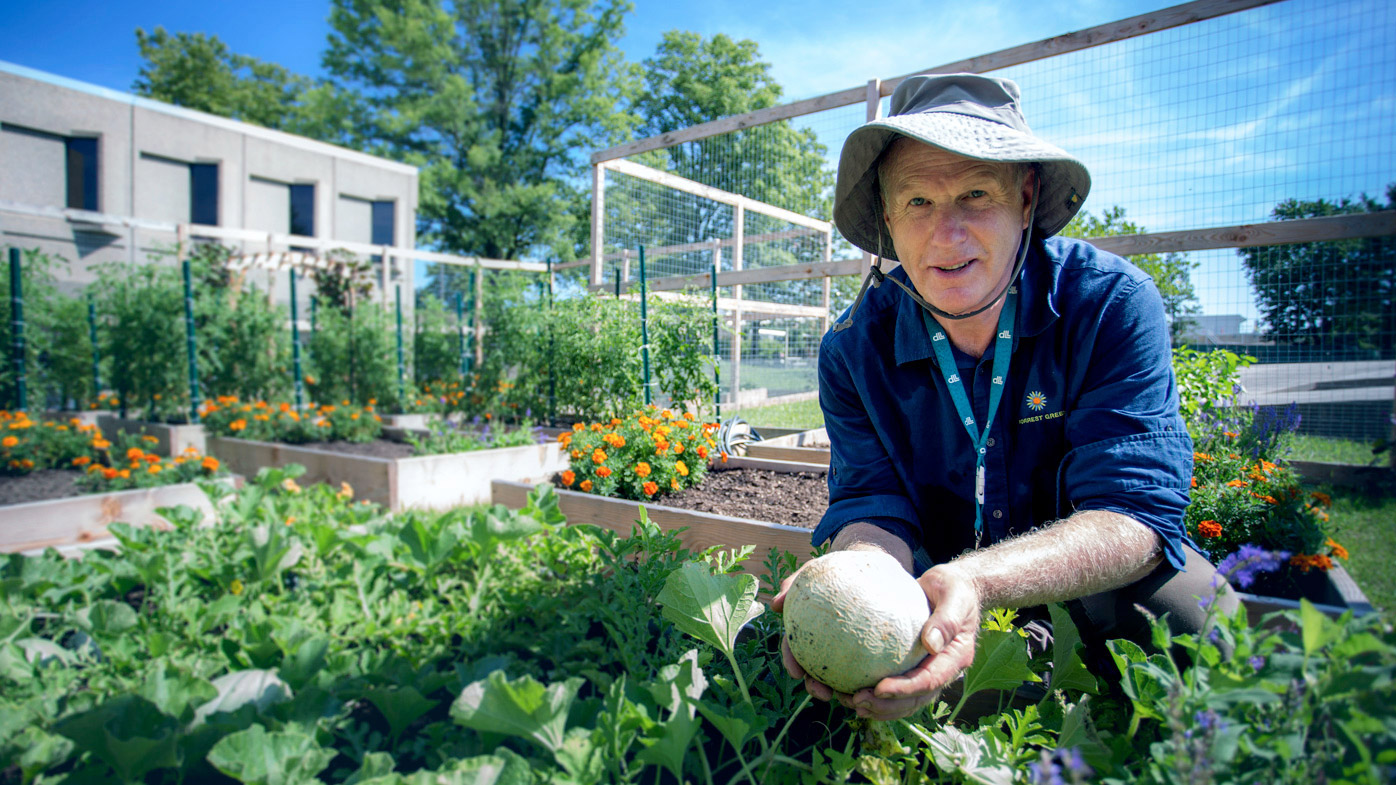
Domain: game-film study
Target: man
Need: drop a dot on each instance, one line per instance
(1003, 416)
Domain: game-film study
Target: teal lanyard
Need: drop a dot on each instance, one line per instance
(1003, 349)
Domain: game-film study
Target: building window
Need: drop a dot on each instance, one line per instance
(383, 223)
(203, 194)
(303, 210)
(82, 172)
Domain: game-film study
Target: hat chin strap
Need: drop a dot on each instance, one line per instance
(876, 276)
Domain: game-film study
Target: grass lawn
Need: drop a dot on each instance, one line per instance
(802, 414)
(1330, 450)
(1365, 524)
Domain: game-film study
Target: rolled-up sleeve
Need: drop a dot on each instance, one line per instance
(863, 487)
(1130, 451)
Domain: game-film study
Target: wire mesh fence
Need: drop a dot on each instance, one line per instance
(1281, 111)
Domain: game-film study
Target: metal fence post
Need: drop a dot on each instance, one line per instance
(191, 345)
(401, 367)
(717, 357)
(296, 343)
(552, 368)
(17, 329)
(96, 351)
(460, 340)
(645, 329)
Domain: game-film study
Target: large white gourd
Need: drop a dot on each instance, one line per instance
(853, 618)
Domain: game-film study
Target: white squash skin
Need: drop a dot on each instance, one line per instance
(853, 618)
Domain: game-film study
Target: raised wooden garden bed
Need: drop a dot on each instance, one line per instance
(86, 417)
(704, 529)
(81, 521)
(1332, 592)
(801, 446)
(173, 439)
(433, 482)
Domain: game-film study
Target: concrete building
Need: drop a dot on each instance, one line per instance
(93, 175)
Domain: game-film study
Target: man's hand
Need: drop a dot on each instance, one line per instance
(949, 635)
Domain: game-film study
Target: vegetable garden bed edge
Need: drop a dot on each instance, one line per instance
(173, 439)
(434, 482)
(704, 529)
(81, 521)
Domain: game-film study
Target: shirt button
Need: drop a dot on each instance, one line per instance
(998, 513)
(991, 442)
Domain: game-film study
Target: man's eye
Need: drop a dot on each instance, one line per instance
(978, 194)
(916, 201)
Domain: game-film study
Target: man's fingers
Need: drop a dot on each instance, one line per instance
(778, 601)
(820, 690)
(931, 674)
(788, 660)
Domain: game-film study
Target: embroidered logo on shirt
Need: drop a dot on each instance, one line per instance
(1037, 401)
(938, 337)
(998, 380)
(1005, 334)
(969, 421)
(954, 378)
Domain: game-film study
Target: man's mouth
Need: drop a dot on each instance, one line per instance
(955, 268)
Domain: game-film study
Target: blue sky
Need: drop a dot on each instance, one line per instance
(1206, 125)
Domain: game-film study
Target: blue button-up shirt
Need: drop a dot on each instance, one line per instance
(1089, 417)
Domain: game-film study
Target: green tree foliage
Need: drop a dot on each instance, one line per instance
(1172, 272)
(1339, 295)
(497, 101)
(198, 71)
(437, 340)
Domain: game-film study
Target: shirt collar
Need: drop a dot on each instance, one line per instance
(1037, 307)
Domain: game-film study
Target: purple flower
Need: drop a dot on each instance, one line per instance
(1045, 772)
(1257, 662)
(1075, 763)
(1209, 721)
(1244, 565)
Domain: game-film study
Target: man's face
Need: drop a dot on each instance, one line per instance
(955, 222)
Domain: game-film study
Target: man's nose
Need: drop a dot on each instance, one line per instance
(948, 228)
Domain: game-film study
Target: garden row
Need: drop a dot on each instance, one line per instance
(297, 636)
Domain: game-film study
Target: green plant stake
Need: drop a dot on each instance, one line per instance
(460, 336)
(17, 329)
(615, 273)
(552, 375)
(190, 342)
(401, 389)
(645, 327)
(470, 328)
(296, 344)
(717, 365)
(313, 302)
(96, 352)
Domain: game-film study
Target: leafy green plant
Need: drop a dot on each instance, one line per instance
(650, 453)
(444, 437)
(243, 343)
(141, 314)
(1207, 381)
(27, 446)
(283, 422)
(353, 357)
(57, 338)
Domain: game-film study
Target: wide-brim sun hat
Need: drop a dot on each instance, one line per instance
(970, 115)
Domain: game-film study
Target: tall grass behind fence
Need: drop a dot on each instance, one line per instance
(1281, 111)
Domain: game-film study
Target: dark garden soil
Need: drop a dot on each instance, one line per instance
(40, 486)
(375, 449)
(797, 499)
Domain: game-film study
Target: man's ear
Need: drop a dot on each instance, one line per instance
(1029, 186)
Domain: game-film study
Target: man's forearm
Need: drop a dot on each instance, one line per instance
(857, 536)
(1090, 552)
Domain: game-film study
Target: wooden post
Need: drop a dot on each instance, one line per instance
(624, 269)
(738, 254)
(874, 99)
(598, 220)
(383, 276)
(828, 256)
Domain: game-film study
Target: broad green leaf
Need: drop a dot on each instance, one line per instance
(1318, 629)
(974, 755)
(127, 732)
(259, 688)
(107, 617)
(1000, 663)
(500, 524)
(710, 607)
(375, 764)
(176, 694)
(737, 727)
(670, 744)
(521, 707)
(680, 681)
(580, 757)
(256, 757)
(42, 651)
(504, 767)
(543, 505)
(400, 706)
(1068, 671)
(42, 751)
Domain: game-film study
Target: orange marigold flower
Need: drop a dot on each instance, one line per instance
(596, 426)
(81, 460)
(569, 477)
(576, 453)
(109, 473)
(210, 463)
(688, 416)
(124, 474)
(642, 469)
(603, 471)
(678, 448)
(10, 441)
(702, 452)
(724, 457)
(615, 421)
(239, 424)
(100, 443)
(674, 483)
(154, 469)
(1267, 499)
(135, 454)
(650, 488)
(1337, 550)
(565, 439)
(1230, 434)
(681, 468)
(597, 456)
(1209, 529)
(585, 486)
(1323, 499)
(1202, 456)
(1238, 483)
(576, 426)
(151, 457)
(1194, 482)
(26, 463)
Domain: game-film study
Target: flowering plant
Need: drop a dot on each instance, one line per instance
(26, 445)
(283, 422)
(127, 464)
(445, 437)
(650, 453)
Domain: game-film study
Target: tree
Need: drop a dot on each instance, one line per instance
(1172, 272)
(1339, 294)
(497, 101)
(199, 72)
